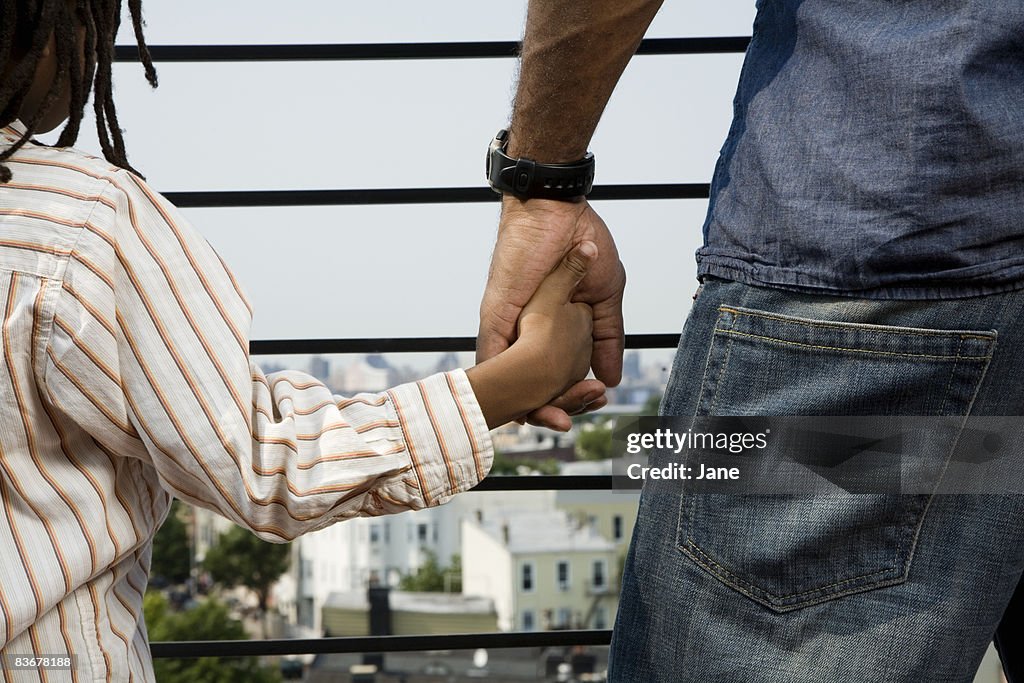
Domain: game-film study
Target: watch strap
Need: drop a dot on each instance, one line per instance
(527, 178)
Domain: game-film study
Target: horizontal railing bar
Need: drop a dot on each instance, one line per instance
(390, 51)
(298, 646)
(285, 347)
(546, 482)
(416, 195)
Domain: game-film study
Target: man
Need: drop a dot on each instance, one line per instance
(862, 254)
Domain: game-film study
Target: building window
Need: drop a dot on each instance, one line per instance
(600, 618)
(421, 533)
(528, 620)
(564, 618)
(306, 612)
(562, 569)
(600, 575)
(374, 533)
(617, 527)
(527, 577)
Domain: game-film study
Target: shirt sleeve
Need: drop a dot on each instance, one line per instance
(148, 353)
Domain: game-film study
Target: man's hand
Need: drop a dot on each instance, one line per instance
(533, 236)
(572, 56)
(552, 352)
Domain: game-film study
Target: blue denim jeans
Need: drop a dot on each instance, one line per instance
(873, 587)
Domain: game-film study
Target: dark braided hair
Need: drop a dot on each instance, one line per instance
(25, 29)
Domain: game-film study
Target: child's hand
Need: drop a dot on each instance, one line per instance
(556, 333)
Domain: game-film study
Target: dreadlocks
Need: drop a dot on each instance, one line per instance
(25, 30)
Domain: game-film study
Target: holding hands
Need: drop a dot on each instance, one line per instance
(549, 350)
(533, 237)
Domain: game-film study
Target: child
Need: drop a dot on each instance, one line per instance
(126, 377)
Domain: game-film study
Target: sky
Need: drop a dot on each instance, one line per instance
(266, 126)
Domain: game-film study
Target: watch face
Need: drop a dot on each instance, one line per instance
(493, 155)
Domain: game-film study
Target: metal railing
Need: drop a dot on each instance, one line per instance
(433, 195)
(402, 51)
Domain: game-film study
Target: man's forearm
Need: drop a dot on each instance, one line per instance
(573, 55)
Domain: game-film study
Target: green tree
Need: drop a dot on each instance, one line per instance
(594, 444)
(209, 620)
(651, 405)
(241, 559)
(505, 465)
(431, 577)
(171, 551)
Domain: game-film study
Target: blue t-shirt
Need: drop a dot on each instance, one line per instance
(876, 150)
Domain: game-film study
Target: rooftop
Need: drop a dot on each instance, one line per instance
(405, 601)
(545, 531)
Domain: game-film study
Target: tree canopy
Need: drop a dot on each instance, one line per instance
(431, 576)
(209, 620)
(594, 443)
(241, 559)
(171, 552)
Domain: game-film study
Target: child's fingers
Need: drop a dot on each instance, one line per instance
(562, 281)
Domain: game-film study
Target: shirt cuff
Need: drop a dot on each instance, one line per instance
(445, 433)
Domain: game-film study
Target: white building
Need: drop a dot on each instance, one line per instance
(612, 513)
(348, 556)
(542, 569)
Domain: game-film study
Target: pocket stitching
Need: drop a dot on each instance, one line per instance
(785, 602)
(721, 373)
(780, 606)
(771, 598)
(840, 348)
(707, 365)
(949, 382)
(881, 329)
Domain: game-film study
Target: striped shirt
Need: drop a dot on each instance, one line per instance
(126, 380)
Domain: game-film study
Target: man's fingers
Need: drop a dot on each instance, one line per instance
(582, 397)
(606, 360)
(551, 418)
(490, 343)
(560, 419)
(497, 331)
(578, 395)
(609, 342)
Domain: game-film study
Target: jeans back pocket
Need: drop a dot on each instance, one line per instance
(791, 551)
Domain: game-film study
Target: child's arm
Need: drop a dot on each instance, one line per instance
(552, 350)
(145, 358)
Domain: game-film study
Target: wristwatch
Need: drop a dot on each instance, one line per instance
(528, 179)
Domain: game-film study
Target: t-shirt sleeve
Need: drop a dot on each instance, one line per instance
(148, 353)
